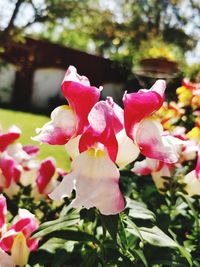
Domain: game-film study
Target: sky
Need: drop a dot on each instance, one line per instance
(26, 13)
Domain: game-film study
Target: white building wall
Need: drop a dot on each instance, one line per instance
(7, 79)
(46, 84)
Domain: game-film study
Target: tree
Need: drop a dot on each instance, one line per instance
(116, 32)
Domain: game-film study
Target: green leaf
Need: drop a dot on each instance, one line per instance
(59, 259)
(154, 236)
(111, 224)
(133, 226)
(71, 235)
(185, 254)
(57, 243)
(139, 253)
(139, 210)
(90, 259)
(122, 233)
(56, 225)
(117, 258)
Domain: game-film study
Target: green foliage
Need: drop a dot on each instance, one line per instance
(118, 32)
(80, 238)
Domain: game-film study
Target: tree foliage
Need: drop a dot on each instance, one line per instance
(115, 30)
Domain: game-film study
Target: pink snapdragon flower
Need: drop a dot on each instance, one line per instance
(9, 175)
(125, 149)
(8, 138)
(142, 127)
(17, 239)
(157, 169)
(94, 174)
(45, 182)
(71, 120)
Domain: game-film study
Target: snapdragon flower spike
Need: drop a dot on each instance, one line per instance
(8, 138)
(95, 178)
(3, 212)
(68, 121)
(46, 172)
(144, 129)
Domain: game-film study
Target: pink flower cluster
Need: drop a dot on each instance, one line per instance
(18, 164)
(101, 137)
(15, 240)
(186, 142)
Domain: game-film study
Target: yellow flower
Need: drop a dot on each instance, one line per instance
(184, 96)
(194, 134)
(196, 102)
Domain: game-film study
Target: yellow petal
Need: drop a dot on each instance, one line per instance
(20, 251)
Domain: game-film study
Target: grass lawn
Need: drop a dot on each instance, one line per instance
(28, 123)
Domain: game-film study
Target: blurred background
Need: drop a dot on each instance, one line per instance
(120, 44)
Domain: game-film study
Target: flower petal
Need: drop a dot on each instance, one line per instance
(71, 75)
(7, 168)
(101, 130)
(118, 115)
(45, 173)
(148, 136)
(31, 150)
(65, 188)
(3, 212)
(197, 169)
(20, 251)
(95, 179)
(192, 184)
(80, 96)
(145, 166)
(142, 104)
(8, 138)
(6, 260)
(127, 150)
(72, 147)
(157, 176)
(60, 129)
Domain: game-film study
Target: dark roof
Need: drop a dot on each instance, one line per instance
(41, 53)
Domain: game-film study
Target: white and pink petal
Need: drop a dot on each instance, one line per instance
(127, 150)
(138, 106)
(149, 137)
(101, 130)
(95, 178)
(80, 96)
(8, 138)
(45, 174)
(60, 129)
